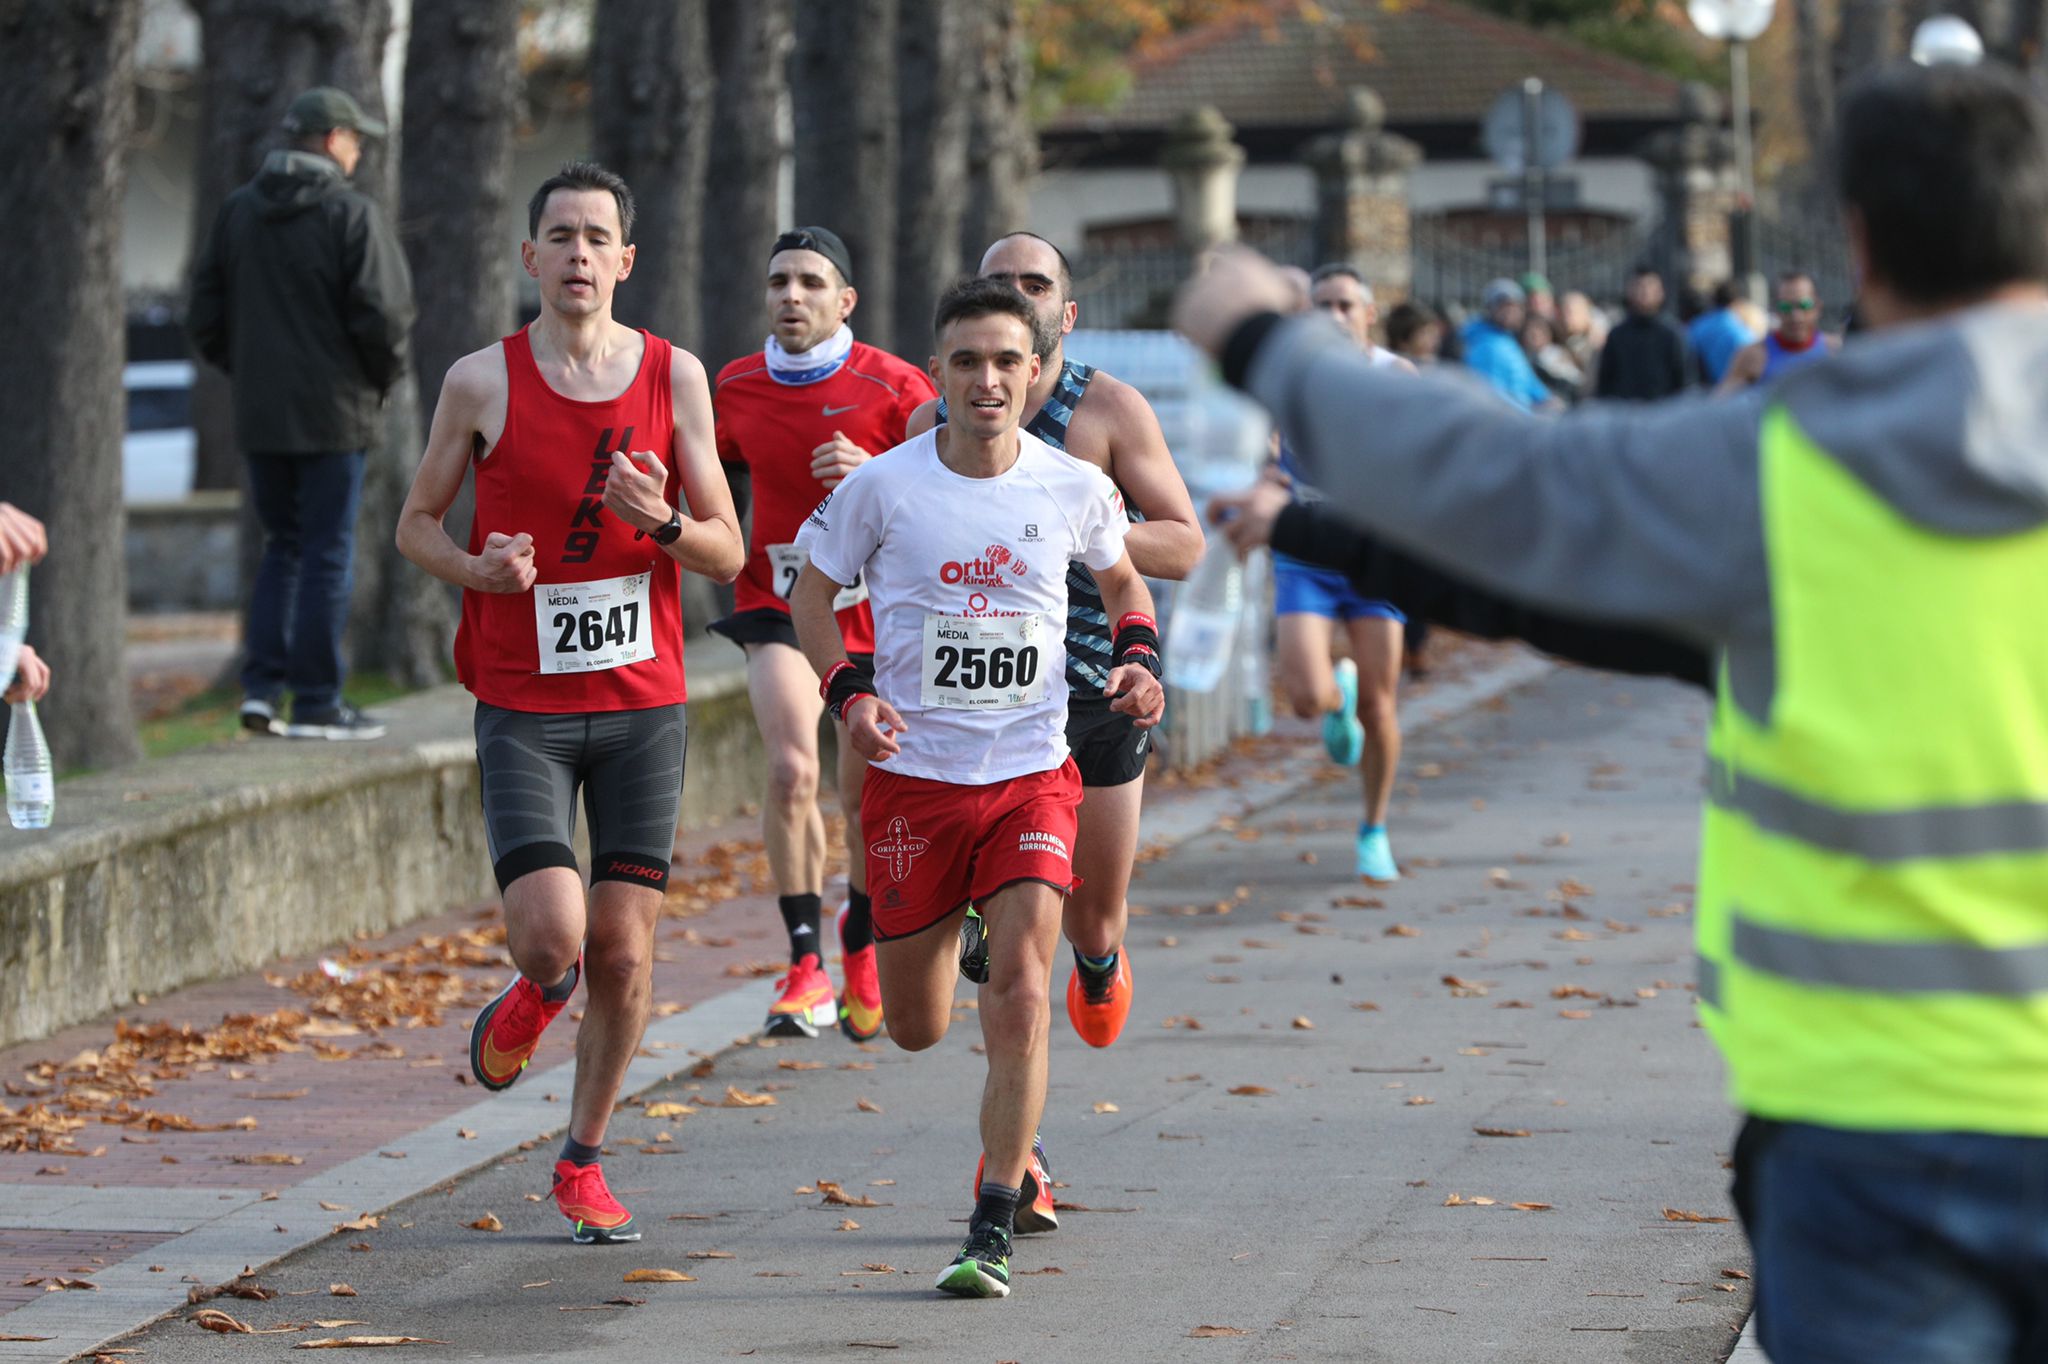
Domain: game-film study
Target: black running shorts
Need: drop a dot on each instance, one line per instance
(628, 765)
(765, 625)
(1108, 746)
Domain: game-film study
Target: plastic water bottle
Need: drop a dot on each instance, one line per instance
(1225, 442)
(1254, 670)
(31, 787)
(13, 621)
(1204, 624)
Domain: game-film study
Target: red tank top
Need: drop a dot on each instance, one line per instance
(772, 429)
(546, 477)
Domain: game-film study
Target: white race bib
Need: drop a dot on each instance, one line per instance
(786, 564)
(589, 627)
(983, 662)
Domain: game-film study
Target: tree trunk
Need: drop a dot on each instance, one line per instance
(1814, 75)
(1868, 36)
(256, 56)
(936, 84)
(1002, 147)
(462, 95)
(844, 88)
(67, 108)
(651, 101)
(749, 149)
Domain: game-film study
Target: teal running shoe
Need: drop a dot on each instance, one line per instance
(1343, 732)
(1375, 857)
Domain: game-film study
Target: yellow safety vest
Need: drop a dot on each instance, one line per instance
(1873, 897)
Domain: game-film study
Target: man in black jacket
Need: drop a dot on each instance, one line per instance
(302, 295)
(1646, 355)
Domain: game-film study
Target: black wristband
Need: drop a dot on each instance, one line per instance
(1137, 641)
(845, 682)
(1241, 347)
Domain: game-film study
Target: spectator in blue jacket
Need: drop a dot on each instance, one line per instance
(1718, 333)
(1493, 347)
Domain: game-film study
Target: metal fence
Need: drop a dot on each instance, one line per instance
(1448, 268)
(1810, 238)
(1131, 287)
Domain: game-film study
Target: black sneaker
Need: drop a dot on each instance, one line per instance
(982, 1268)
(340, 722)
(260, 716)
(974, 948)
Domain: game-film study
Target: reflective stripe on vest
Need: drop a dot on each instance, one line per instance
(1873, 899)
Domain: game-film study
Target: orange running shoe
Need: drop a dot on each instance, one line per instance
(806, 1002)
(505, 1034)
(1035, 1208)
(1097, 1005)
(595, 1217)
(860, 1003)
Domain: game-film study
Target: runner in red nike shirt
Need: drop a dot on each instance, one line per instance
(572, 641)
(793, 420)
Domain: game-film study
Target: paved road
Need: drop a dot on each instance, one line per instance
(1517, 982)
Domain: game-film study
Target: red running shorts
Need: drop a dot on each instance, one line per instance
(933, 846)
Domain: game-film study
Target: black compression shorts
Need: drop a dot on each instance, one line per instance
(628, 765)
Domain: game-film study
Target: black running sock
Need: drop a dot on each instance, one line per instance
(859, 931)
(997, 1203)
(1095, 966)
(563, 988)
(576, 1153)
(801, 915)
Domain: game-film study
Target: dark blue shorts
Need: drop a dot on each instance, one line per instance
(1301, 589)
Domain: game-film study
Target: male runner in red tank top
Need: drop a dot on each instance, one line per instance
(572, 641)
(793, 419)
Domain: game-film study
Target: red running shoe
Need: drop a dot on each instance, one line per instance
(1097, 1005)
(595, 1217)
(1035, 1209)
(806, 1002)
(860, 1003)
(503, 1038)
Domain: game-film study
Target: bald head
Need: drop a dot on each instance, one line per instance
(1037, 269)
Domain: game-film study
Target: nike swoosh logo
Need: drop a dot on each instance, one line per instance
(496, 1062)
(835, 411)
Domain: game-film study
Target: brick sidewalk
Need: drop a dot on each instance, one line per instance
(211, 1112)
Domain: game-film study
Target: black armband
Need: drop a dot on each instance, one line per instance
(843, 684)
(1136, 641)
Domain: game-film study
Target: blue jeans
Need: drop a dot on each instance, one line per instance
(1901, 1247)
(292, 637)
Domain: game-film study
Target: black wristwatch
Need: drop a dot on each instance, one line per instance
(669, 533)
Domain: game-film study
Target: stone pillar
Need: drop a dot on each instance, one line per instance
(1203, 160)
(1362, 196)
(1699, 188)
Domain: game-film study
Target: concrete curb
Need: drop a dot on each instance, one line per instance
(221, 1237)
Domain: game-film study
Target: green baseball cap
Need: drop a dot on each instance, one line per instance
(323, 108)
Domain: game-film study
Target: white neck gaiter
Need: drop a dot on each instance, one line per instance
(807, 367)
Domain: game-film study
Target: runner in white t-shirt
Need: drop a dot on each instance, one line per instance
(963, 536)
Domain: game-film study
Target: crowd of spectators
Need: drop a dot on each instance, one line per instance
(1543, 350)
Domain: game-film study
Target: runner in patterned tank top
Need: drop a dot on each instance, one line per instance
(1115, 430)
(572, 641)
(1795, 338)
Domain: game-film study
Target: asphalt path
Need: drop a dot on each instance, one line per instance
(1309, 1144)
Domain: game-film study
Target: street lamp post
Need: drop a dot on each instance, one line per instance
(1738, 23)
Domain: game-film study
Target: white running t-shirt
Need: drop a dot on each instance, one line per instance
(968, 581)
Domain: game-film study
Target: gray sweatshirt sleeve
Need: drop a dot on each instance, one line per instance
(1646, 513)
